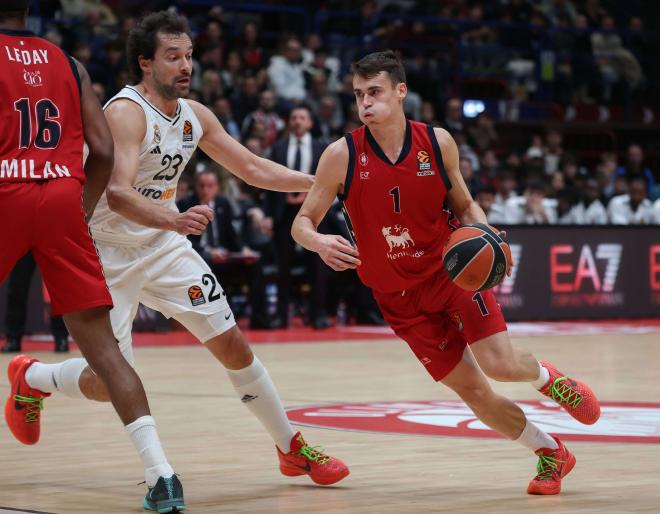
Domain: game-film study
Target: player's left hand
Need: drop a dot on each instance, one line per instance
(502, 234)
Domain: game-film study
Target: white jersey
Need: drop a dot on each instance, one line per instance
(164, 152)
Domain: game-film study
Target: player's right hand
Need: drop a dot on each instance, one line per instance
(194, 220)
(338, 253)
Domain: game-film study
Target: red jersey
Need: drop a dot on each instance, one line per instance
(41, 129)
(395, 211)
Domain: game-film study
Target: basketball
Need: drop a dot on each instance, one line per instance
(476, 257)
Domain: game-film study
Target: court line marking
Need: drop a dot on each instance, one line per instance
(10, 510)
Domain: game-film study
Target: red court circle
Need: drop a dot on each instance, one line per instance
(620, 422)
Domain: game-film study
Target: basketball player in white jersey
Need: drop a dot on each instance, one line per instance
(141, 239)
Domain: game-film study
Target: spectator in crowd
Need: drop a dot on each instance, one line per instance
(635, 167)
(184, 188)
(589, 210)
(505, 187)
(557, 184)
(482, 132)
(330, 120)
(656, 208)
(316, 58)
(81, 9)
(318, 90)
(489, 168)
(285, 72)
(428, 114)
(222, 109)
(454, 115)
(614, 61)
(247, 98)
(221, 247)
(211, 88)
(298, 151)
(18, 291)
(633, 208)
(231, 72)
(605, 173)
(256, 229)
(265, 114)
(531, 208)
(469, 176)
(251, 51)
(212, 38)
(553, 150)
(485, 197)
(466, 151)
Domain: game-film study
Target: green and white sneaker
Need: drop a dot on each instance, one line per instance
(166, 496)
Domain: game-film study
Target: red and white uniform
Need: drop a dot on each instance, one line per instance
(397, 216)
(41, 172)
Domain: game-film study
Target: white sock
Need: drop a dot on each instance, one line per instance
(143, 433)
(544, 376)
(257, 391)
(63, 377)
(533, 437)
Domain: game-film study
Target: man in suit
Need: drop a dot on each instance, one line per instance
(17, 305)
(220, 245)
(301, 152)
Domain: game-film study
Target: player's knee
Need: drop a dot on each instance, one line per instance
(231, 349)
(475, 396)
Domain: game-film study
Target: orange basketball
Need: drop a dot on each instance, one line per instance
(476, 257)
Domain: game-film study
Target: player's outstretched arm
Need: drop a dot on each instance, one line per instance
(100, 159)
(128, 126)
(460, 199)
(336, 252)
(254, 170)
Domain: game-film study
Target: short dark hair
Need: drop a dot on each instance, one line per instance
(372, 64)
(485, 189)
(303, 106)
(143, 40)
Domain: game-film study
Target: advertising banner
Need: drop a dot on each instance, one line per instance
(592, 272)
(560, 273)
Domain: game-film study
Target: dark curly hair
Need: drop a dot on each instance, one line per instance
(372, 64)
(143, 39)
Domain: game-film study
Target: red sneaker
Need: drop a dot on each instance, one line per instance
(307, 460)
(553, 465)
(575, 397)
(24, 405)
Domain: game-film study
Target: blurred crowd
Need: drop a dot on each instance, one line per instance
(280, 77)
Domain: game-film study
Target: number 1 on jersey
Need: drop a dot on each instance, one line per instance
(397, 201)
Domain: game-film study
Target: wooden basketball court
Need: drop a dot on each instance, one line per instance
(84, 463)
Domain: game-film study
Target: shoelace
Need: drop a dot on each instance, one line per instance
(314, 453)
(546, 466)
(34, 406)
(564, 393)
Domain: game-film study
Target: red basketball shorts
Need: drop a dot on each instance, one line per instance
(47, 219)
(438, 319)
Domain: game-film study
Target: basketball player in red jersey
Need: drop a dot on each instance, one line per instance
(394, 177)
(48, 110)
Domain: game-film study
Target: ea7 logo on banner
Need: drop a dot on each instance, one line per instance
(585, 283)
(586, 268)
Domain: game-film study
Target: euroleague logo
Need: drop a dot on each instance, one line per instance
(620, 422)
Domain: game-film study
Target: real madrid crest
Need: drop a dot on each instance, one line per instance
(156, 140)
